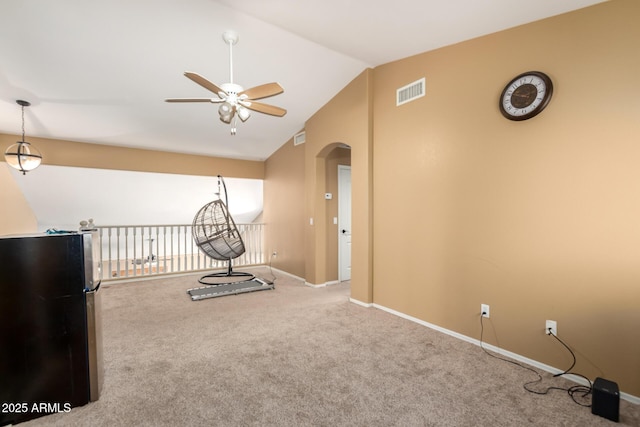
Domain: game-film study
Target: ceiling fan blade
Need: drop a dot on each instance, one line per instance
(264, 108)
(262, 91)
(204, 82)
(192, 100)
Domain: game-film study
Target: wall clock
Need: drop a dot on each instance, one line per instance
(526, 95)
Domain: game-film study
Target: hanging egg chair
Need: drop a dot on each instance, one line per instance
(216, 235)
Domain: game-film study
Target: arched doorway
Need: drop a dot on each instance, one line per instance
(321, 234)
(337, 211)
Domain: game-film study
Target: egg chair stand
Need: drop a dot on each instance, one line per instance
(216, 235)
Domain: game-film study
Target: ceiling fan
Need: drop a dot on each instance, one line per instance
(233, 99)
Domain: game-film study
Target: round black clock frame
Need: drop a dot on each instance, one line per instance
(525, 96)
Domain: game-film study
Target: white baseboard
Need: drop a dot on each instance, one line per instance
(287, 274)
(626, 396)
(364, 304)
(322, 285)
(313, 285)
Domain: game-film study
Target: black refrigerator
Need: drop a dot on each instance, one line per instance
(50, 324)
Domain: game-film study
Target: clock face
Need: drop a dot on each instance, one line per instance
(526, 95)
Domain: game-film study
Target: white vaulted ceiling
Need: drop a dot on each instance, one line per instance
(99, 71)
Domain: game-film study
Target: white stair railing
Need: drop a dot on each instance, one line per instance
(129, 251)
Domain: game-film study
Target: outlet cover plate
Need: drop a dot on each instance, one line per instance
(484, 308)
(551, 324)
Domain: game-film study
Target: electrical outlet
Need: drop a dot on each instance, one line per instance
(484, 310)
(551, 324)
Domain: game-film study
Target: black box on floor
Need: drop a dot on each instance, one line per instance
(605, 399)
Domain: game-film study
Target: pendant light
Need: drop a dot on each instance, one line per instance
(22, 155)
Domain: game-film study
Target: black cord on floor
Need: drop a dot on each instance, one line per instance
(576, 389)
(581, 390)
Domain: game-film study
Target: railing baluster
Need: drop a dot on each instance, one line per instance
(135, 254)
(126, 251)
(158, 250)
(143, 246)
(171, 228)
(188, 246)
(117, 271)
(194, 248)
(250, 251)
(186, 259)
(109, 250)
(254, 245)
(119, 267)
(260, 248)
(178, 252)
(164, 249)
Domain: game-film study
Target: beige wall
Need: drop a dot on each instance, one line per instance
(541, 218)
(284, 215)
(69, 153)
(345, 119)
(283, 208)
(16, 215)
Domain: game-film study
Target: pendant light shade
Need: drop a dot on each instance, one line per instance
(22, 155)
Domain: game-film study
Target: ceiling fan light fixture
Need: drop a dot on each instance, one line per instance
(226, 112)
(23, 156)
(243, 113)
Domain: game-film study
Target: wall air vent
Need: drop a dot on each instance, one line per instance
(299, 138)
(410, 92)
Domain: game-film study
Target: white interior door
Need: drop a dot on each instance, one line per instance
(344, 223)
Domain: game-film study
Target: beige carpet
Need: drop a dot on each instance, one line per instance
(298, 356)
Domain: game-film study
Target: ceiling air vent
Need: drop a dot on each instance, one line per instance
(410, 92)
(299, 138)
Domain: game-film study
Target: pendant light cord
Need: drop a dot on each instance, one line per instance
(22, 123)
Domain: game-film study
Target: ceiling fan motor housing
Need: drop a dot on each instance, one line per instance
(231, 88)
